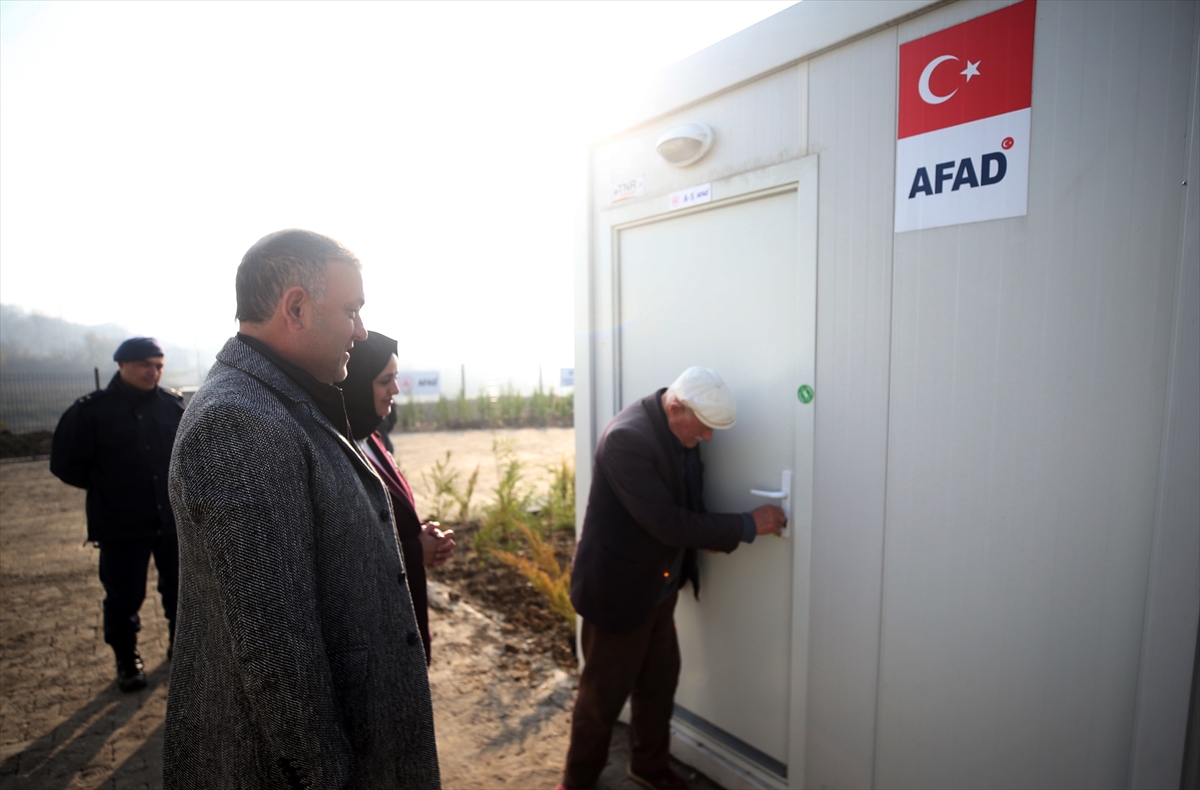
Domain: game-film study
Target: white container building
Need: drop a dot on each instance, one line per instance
(992, 576)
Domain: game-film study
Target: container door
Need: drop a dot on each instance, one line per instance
(722, 288)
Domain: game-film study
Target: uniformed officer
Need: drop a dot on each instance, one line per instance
(116, 443)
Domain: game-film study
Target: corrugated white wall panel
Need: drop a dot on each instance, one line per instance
(852, 110)
(1028, 376)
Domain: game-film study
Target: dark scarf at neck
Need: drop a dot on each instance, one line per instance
(327, 397)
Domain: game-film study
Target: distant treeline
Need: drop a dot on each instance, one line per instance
(32, 344)
(507, 409)
(46, 363)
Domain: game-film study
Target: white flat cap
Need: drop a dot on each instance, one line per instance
(705, 393)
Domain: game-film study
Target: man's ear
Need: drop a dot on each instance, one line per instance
(295, 305)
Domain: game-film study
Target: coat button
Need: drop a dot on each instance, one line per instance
(400, 577)
(384, 515)
(412, 638)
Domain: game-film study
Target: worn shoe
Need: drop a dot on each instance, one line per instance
(131, 674)
(667, 780)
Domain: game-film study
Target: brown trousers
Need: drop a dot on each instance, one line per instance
(642, 666)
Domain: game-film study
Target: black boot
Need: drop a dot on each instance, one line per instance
(171, 642)
(131, 674)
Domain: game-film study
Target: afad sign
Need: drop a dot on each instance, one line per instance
(962, 153)
(419, 382)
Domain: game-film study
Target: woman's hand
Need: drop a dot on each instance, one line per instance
(436, 546)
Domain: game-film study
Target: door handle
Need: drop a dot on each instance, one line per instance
(784, 495)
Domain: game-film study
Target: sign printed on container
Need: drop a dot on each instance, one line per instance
(962, 153)
(690, 197)
(628, 190)
(419, 382)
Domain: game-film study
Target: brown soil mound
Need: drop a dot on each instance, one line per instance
(487, 583)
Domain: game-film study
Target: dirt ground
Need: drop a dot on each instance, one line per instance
(501, 699)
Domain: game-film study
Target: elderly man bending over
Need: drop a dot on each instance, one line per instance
(645, 518)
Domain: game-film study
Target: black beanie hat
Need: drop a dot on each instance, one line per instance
(136, 348)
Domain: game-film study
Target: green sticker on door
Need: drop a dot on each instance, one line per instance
(805, 393)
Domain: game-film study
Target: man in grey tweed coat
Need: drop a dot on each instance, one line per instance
(297, 659)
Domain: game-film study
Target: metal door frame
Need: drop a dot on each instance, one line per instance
(603, 364)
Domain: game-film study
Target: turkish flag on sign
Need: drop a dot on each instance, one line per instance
(975, 70)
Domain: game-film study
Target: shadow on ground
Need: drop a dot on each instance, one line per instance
(66, 753)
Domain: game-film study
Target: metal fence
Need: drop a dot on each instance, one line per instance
(34, 401)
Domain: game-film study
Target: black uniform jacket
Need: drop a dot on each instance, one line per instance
(637, 521)
(116, 443)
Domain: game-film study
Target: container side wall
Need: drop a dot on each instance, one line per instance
(1028, 376)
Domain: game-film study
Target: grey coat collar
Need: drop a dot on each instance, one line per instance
(240, 356)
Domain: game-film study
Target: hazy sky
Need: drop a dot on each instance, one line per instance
(145, 146)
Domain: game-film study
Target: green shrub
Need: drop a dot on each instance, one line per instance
(564, 407)
(542, 570)
(462, 409)
(408, 414)
(539, 405)
(439, 481)
(463, 498)
(442, 483)
(510, 405)
(483, 408)
(558, 505)
(511, 503)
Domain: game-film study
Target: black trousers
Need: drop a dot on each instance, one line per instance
(124, 566)
(642, 666)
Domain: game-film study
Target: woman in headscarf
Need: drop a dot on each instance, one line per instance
(368, 390)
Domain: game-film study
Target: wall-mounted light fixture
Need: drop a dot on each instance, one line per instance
(685, 144)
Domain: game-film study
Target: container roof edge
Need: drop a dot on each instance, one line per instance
(792, 35)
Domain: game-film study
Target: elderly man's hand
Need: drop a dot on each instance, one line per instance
(768, 520)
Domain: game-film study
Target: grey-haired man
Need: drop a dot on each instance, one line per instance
(298, 661)
(645, 519)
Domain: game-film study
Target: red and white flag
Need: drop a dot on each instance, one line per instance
(962, 153)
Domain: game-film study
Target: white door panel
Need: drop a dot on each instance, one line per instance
(720, 288)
